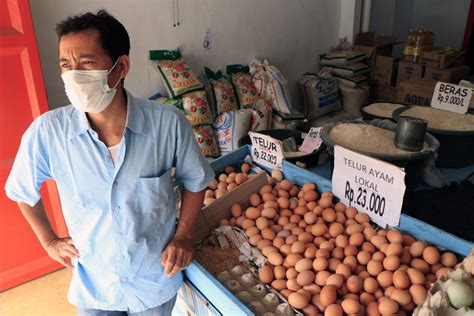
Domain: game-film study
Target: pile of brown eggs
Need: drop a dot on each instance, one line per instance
(226, 182)
(327, 258)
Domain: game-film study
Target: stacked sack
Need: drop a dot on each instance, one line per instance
(187, 93)
(237, 106)
(350, 71)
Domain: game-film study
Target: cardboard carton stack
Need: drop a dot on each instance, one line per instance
(406, 81)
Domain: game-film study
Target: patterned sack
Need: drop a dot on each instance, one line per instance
(242, 81)
(206, 140)
(261, 115)
(196, 108)
(223, 95)
(175, 72)
(341, 57)
(229, 127)
(271, 84)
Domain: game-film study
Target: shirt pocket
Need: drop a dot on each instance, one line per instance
(155, 194)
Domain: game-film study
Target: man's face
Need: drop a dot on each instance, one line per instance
(83, 51)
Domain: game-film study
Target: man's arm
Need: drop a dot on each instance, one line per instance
(57, 248)
(179, 252)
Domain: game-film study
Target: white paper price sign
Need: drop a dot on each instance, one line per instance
(370, 185)
(451, 97)
(312, 140)
(266, 150)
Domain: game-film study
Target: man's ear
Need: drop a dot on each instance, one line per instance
(124, 66)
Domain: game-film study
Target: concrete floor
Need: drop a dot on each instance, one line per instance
(45, 296)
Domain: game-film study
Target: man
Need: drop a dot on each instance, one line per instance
(111, 156)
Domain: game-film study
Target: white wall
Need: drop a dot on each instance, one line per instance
(290, 33)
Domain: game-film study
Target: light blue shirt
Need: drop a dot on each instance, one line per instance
(120, 217)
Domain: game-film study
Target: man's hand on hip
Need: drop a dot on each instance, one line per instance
(177, 256)
(60, 248)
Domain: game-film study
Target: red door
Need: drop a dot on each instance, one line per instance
(22, 98)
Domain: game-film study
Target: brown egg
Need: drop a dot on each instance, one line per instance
(262, 223)
(319, 229)
(275, 258)
(402, 297)
(343, 270)
(255, 200)
(351, 262)
(265, 274)
(295, 219)
(394, 236)
(448, 259)
(418, 293)
(312, 289)
(420, 265)
(333, 263)
(442, 272)
(385, 279)
(378, 241)
(286, 184)
(341, 241)
(310, 196)
(363, 257)
(337, 253)
(267, 197)
(285, 249)
(213, 184)
(305, 237)
(310, 252)
(350, 250)
(268, 233)
(240, 220)
(321, 277)
(252, 213)
(268, 249)
(310, 218)
(254, 239)
(303, 265)
(272, 204)
(236, 210)
(305, 278)
(374, 267)
(278, 241)
(372, 309)
(417, 248)
(388, 307)
(293, 258)
(370, 285)
(291, 284)
(298, 300)
(265, 189)
(329, 215)
(208, 201)
(335, 279)
(350, 306)
(240, 178)
(394, 249)
(245, 168)
(431, 255)
(325, 202)
(407, 240)
(365, 298)
(268, 212)
(350, 212)
(369, 232)
(362, 218)
(252, 231)
(356, 239)
(279, 284)
(333, 310)
(283, 194)
(336, 229)
(328, 295)
(354, 284)
(401, 280)
(415, 276)
(320, 264)
(391, 263)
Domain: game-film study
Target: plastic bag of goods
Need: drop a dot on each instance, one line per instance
(229, 127)
(261, 115)
(271, 84)
(177, 103)
(353, 99)
(222, 91)
(351, 70)
(341, 57)
(196, 108)
(175, 72)
(205, 137)
(320, 94)
(244, 88)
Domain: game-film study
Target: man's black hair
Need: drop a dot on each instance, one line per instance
(113, 35)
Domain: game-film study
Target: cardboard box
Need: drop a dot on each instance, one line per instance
(415, 91)
(385, 73)
(451, 74)
(407, 71)
(374, 46)
(382, 93)
(211, 215)
(440, 60)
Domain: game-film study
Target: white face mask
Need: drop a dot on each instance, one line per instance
(88, 90)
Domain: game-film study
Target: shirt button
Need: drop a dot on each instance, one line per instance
(107, 158)
(115, 183)
(117, 208)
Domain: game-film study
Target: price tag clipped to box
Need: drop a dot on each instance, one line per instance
(266, 150)
(370, 185)
(312, 140)
(451, 97)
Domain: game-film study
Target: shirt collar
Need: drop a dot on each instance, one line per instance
(135, 118)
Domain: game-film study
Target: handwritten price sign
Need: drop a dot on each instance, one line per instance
(451, 97)
(266, 150)
(370, 185)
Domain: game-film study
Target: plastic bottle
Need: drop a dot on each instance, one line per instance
(409, 46)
